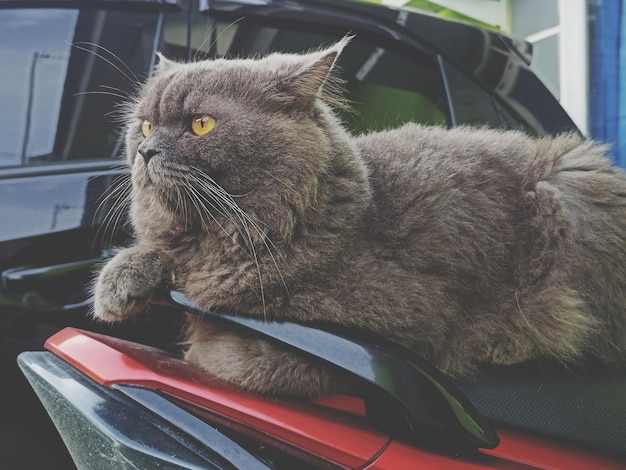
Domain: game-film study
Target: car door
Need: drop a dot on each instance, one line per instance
(65, 75)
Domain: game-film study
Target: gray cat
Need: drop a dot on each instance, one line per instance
(469, 246)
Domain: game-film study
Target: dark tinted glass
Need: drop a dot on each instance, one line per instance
(63, 75)
(472, 105)
(509, 119)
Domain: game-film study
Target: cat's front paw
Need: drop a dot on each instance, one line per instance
(126, 284)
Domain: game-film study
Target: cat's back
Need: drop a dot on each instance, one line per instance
(468, 197)
(418, 154)
(427, 177)
(447, 200)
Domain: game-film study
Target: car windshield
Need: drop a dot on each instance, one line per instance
(63, 71)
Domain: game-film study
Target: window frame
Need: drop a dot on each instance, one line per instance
(495, 102)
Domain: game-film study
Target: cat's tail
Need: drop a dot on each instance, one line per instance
(575, 203)
(576, 166)
(570, 191)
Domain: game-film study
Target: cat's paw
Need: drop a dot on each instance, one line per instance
(126, 284)
(507, 352)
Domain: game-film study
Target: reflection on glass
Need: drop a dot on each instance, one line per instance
(34, 52)
(64, 74)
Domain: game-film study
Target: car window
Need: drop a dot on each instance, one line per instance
(64, 74)
(388, 89)
(385, 88)
(472, 105)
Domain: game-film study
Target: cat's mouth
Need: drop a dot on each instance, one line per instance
(162, 172)
(155, 173)
(191, 195)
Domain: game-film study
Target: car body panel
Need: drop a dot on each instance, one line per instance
(97, 357)
(103, 428)
(309, 427)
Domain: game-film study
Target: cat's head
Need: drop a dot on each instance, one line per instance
(204, 134)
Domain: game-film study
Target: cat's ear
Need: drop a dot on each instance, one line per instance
(163, 65)
(313, 78)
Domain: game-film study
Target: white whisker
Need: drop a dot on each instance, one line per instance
(119, 193)
(132, 78)
(214, 42)
(244, 223)
(107, 93)
(291, 188)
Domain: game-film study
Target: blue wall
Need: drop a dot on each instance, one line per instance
(608, 80)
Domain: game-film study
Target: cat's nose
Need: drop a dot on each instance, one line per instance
(147, 153)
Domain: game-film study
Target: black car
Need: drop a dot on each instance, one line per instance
(68, 67)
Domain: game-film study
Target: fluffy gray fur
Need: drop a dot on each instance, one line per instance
(469, 246)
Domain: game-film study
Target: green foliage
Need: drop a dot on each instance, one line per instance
(379, 107)
(433, 7)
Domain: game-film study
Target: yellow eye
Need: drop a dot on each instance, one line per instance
(146, 128)
(202, 124)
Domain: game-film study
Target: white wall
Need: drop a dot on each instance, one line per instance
(574, 61)
(558, 30)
